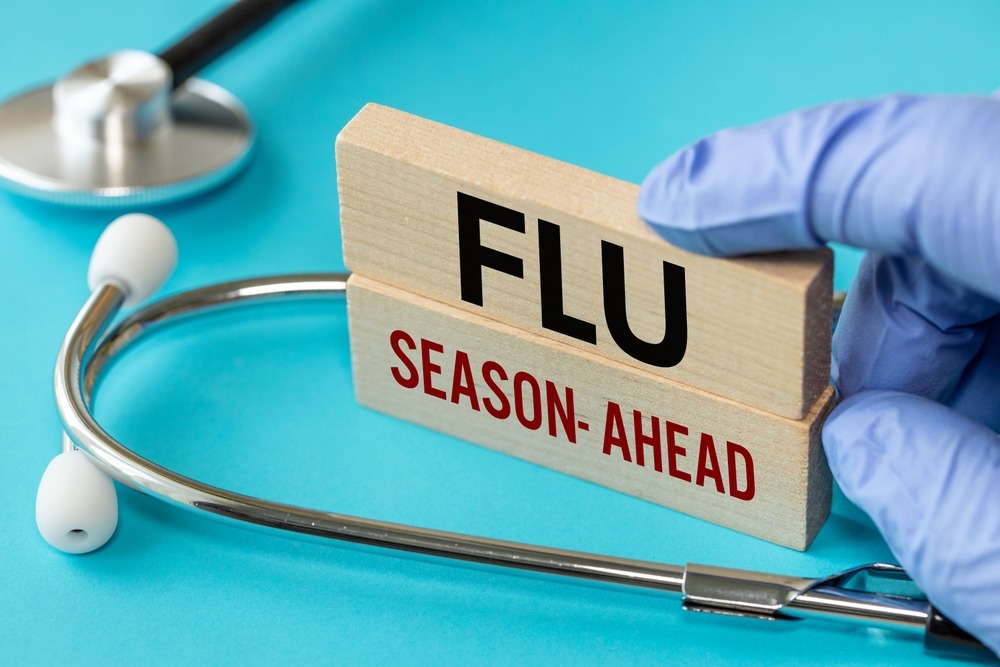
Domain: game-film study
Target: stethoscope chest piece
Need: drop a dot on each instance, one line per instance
(115, 132)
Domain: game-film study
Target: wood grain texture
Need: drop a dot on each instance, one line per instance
(575, 411)
(757, 327)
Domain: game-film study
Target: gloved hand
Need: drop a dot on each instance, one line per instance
(916, 355)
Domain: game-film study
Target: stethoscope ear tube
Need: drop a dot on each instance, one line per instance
(216, 36)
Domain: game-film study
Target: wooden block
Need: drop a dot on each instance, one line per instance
(559, 251)
(580, 413)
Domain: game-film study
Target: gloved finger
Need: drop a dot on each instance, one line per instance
(901, 175)
(905, 327)
(928, 478)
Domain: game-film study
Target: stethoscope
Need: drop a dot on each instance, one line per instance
(134, 128)
(77, 506)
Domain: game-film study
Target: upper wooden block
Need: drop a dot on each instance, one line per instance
(559, 251)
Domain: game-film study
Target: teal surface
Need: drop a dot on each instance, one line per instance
(264, 405)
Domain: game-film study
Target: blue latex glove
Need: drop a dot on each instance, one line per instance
(916, 356)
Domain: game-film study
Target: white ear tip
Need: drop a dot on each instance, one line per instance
(138, 252)
(76, 507)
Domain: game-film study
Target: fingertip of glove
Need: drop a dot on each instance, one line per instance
(666, 203)
(727, 194)
(863, 423)
(850, 449)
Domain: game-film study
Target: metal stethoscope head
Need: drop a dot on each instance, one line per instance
(133, 128)
(77, 507)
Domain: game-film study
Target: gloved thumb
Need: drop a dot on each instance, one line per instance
(901, 175)
(930, 479)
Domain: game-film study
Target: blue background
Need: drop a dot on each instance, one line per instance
(264, 405)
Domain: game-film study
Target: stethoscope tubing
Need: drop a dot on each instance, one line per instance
(84, 355)
(87, 353)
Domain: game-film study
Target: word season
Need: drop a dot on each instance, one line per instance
(424, 365)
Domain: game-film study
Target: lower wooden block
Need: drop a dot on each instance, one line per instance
(588, 416)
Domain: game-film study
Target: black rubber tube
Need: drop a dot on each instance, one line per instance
(219, 34)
